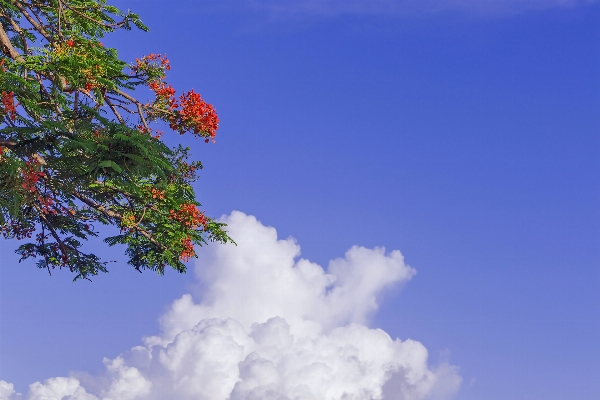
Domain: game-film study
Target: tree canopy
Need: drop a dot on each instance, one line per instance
(78, 149)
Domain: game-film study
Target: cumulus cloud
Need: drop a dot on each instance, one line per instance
(260, 278)
(7, 390)
(263, 324)
(278, 8)
(59, 389)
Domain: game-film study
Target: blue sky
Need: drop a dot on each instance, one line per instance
(462, 133)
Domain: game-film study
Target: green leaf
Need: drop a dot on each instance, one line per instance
(110, 164)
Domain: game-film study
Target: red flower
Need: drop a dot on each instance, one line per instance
(151, 61)
(196, 116)
(70, 43)
(164, 93)
(31, 176)
(8, 104)
(189, 216)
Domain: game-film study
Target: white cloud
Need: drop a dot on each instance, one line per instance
(7, 390)
(260, 278)
(265, 325)
(58, 389)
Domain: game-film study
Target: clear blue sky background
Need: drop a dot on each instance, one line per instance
(467, 138)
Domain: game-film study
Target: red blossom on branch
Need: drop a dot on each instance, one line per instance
(31, 175)
(157, 194)
(189, 215)
(188, 250)
(81, 147)
(151, 60)
(47, 205)
(164, 93)
(8, 105)
(196, 116)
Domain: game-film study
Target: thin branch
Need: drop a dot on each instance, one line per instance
(138, 104)
(125, 109)
(43, 88)
(59, 17)
(127, 96)
(38, 27)
(114, 110)
(141, 114)
(76, 103)
(63, 247)
(115, 215)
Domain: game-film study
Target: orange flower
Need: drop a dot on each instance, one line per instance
(157, 194)
(188, 250)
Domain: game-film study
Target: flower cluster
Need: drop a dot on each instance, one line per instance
(196, 116)
(188, 113)
(188, 250)
(162, 90)
(157, 194)
(15, 229)
(47, 205)
(165, 95)
(151, 62)
(188, 171)
(31, 175)
(127, 222)
(8, 105)
(189, 216)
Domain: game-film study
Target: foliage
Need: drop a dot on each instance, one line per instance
(77, 148)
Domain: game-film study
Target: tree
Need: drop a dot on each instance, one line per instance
(77, 149)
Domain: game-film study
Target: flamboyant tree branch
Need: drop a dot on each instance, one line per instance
(7, 47)
(68, 123)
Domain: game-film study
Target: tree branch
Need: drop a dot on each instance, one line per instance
(34, 23)
(8, 143)
(115, 215)
(138, 104)
(114, 110)
(61, 244)
(7, 47)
